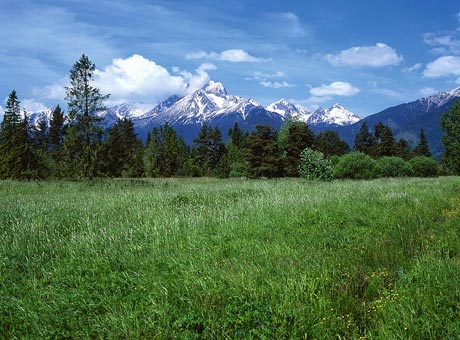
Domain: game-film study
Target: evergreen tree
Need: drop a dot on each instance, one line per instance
(263, 152)
(403, 149)
(450, 123)
(385, 143)
(330, 144)
(208, 149)
(364, 140)
(9, 136)
(166, 153)
(56, 129)
(236, 156)
(122, 151)
(28, 160)
(299, 137)
(40, 134)
(82, 143)
(422, 148)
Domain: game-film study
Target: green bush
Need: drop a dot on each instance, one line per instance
(356, 165)
(393, 166)
(313, 166)
(423, 166)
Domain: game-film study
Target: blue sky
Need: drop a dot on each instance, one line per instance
(365, 55)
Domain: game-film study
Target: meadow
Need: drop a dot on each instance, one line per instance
(230, 259)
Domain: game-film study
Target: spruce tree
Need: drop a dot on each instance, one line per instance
(208, 149)
(385, 143)
(422, 148)
(263, 152)
(330, 144)
(56, 128)
(364, 141)
(450, 123)
(403, 149)
(237, 152)
(9, 137)
(84, 132)
(122, 151)
(299, 137)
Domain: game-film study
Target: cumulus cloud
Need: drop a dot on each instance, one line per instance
(442, 67)
(31, 105)
(412, 68)
(232, 55)
(337, 88)
(276, 84)
(443, 42)
(52, 92)
(137, 78)
(379, 55)
(427, 91)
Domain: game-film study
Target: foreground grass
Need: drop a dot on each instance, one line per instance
(235, 259)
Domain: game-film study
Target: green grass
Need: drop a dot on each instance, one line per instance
(230, 259)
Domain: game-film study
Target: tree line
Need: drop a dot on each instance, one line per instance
(76, 146)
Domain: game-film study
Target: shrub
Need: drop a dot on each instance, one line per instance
(423, 166)
(356, 165)
(313, 166)
(393, 166)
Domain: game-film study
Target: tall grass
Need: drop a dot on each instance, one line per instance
(235, 259)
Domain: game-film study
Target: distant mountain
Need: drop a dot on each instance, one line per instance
(336, 115)
(288, 110)
(210, 105)
(406, 120)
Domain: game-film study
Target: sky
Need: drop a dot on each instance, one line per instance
(364, 54)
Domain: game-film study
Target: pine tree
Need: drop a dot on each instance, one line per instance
(385, 143)
(237, 152)
(299, 137)
(422, 148)
(364, 141)
(208, 149)
(330, 144)
(403, 149)
(263, 152)
(56, 129)
(84, 132)
(9, 135)
(450, 123)
(29, 162)
(122, 151)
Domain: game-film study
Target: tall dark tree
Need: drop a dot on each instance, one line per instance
(330, 144)
(422, 148)
(166, 153)
(263, 152)
(84, 132)
(237, 151)
(385, 142)
(40, 134)
(364, 140)
(56, 129)
(208, 148)
(299, 137)
(29, 160)
(122, 151)
(403, 149)
(450, 123)
(9, 136)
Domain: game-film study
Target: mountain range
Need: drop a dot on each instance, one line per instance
(212, 105)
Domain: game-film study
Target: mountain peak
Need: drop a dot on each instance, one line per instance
(335, 115)
(216, 88)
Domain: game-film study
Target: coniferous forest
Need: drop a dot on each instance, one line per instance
(74, 144)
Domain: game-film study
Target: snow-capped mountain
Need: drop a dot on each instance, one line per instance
(288, 110)
(336, 115)
(127, 110)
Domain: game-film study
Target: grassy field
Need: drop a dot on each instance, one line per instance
(230, 259)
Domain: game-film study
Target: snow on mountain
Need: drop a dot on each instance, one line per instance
(286, 109)
(438, 99)
(336, 115)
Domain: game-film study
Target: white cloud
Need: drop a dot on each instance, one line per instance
(427, 91)
(443, 42)
(379, 55)
(388, 92)
(137, 78)
(412, 68)
(263, 76)
(292, 22)
(232, 55)
(337, 88)
(276, 84)
(52, 92)
(443, 66)
(31, 106)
